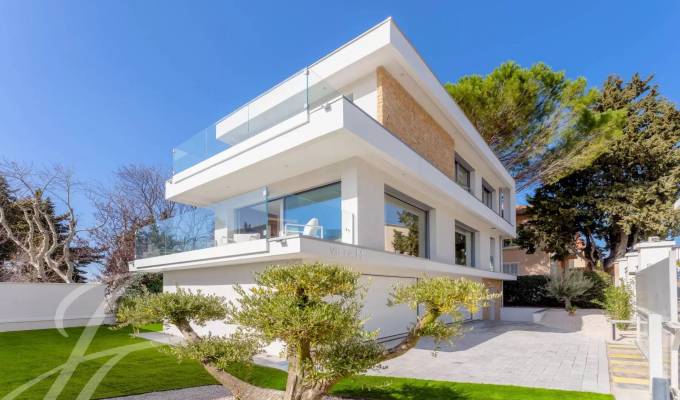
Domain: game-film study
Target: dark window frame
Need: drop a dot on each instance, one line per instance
(473, 234)
(460, 163)
(486, 187)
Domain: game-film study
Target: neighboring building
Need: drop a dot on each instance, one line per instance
(358, 154)
(516, 261)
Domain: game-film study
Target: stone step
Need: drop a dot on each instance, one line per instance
(629, 348)
(609, 351)
(625, 345)
(630, 381)
(631, 374)
(631, 356)
(629, 362)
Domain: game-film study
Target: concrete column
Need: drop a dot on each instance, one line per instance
(363, 203)
(657, 382)
(442, 228)
(512, 204)
(481, 250)
(499, 254)
(651, 252)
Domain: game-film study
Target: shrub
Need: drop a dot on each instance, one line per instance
(594, 297)
(529, 291)
(567, 286)
(142, 283)
(618, 303)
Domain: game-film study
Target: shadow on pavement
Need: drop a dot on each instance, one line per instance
(478, 332)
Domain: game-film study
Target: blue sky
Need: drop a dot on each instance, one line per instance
(98, 84)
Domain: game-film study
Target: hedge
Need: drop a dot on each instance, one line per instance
(529, 291)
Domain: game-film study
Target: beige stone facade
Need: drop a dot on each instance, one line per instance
(495, 286)
(400, 113)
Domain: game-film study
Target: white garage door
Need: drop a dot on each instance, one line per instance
(389, 320)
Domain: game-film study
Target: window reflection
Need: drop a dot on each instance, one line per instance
(315, 212)
(405, 228)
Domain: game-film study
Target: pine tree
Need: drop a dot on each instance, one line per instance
(540, 124)
(7, 248)
(626, 194)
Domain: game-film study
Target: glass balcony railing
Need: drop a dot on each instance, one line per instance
(282, 108)
(248, 217)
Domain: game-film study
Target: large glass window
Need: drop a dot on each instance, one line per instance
(241, 218)
(464, 246)
(314, 212)
(405, 228)
(463, 175)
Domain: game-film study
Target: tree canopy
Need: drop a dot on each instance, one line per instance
(623, 195)
(539, 123)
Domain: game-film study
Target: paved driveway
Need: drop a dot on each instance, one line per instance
(560, 353)
(513, 353)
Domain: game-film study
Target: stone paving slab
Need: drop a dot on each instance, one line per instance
(512, 353)
(508, 353)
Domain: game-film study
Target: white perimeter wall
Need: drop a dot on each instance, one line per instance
(25, 306)
(522, 314)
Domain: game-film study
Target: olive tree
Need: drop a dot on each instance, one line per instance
(314, 310)
(568, 285)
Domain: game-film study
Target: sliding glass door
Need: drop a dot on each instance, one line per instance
(315, 212)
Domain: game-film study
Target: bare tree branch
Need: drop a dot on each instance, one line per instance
(45, 244)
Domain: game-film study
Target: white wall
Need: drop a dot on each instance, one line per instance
(522, 314)
(25, 306)
(656, 283)
(220, 281)
(388, 321)
(364, 93)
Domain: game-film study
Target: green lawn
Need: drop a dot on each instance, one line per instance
(25, 355)
(31, 353)
(385, 388)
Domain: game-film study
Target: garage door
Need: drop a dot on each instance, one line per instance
(389, 320)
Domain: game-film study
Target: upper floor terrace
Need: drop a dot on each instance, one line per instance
(373, 102)
(292, 127)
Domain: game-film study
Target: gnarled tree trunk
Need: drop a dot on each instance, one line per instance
(241, 390)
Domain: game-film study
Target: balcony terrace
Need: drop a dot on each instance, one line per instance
(248, 221)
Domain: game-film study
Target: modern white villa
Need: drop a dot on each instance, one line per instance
(361, 159)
